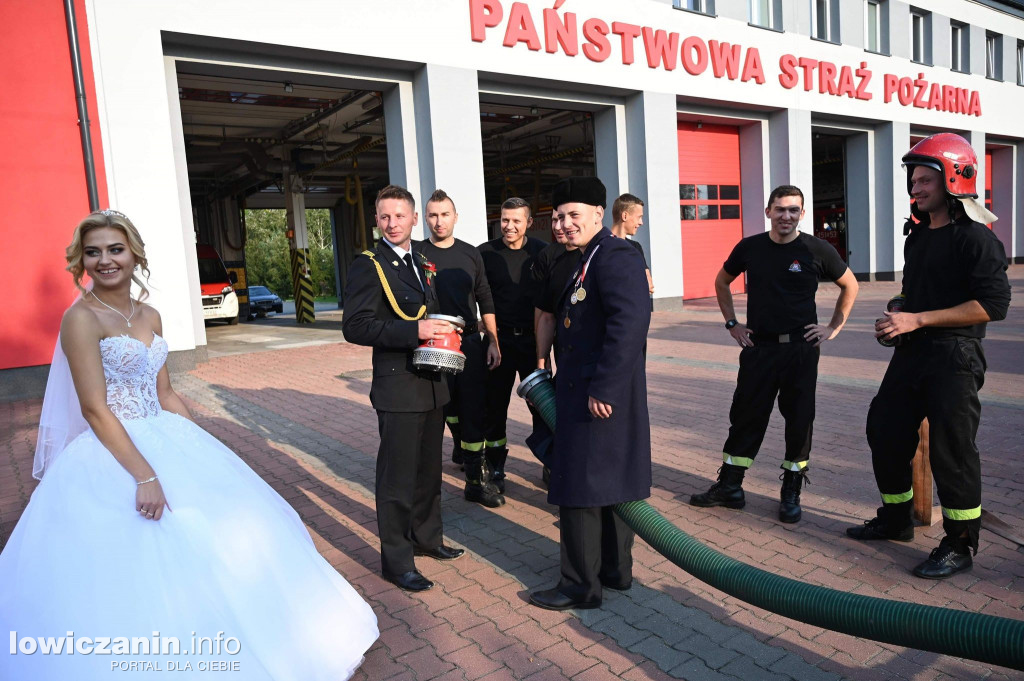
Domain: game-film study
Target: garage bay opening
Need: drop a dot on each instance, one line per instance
(527, 150)
(828, 159)
(282, 171)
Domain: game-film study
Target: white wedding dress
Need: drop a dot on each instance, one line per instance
(232, 557)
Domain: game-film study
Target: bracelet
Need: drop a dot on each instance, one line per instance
(145, 481)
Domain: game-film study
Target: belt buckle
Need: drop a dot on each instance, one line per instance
(784, 338)
(518, 331)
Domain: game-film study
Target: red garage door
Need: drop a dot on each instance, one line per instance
(709, 204)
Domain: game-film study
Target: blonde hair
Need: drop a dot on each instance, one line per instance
(113, 219)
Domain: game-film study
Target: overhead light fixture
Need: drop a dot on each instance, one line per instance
(700, 124)
(288, 87)
(534, 110)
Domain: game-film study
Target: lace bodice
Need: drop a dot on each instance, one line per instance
(130, 367)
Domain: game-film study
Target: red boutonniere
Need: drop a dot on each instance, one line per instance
(429, 268)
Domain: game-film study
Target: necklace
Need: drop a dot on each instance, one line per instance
(128, 319)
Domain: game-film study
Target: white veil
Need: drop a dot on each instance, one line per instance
(61, 419)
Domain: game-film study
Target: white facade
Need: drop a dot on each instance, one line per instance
(423, 56)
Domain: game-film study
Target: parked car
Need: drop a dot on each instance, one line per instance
(219, 298)
(262, 300)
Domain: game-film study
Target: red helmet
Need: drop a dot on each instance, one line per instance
(951, 155)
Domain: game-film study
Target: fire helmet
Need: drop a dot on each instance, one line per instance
(954, 158)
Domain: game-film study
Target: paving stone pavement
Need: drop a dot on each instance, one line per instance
(301, 418)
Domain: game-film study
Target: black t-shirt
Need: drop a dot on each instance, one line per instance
(637, 246)
(950, 265)
(461, 281)
(552, 269)
(782, 279)
(509, 272)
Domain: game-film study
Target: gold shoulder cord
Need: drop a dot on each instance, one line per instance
(390, 295)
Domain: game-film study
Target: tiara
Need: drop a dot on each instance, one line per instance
(111, 213)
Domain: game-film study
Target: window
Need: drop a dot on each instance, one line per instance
(700, 6)
(920, 36)
(873, 26)
(709, 202)
(821, 20)
(766, 14)
(876, 26)
(994, 56)
(959, 47)
(1020, 62)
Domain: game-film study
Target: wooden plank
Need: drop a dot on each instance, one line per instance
(997, 526)
(924, 512)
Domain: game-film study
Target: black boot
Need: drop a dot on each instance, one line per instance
(496, 463)
(457, 457)
(893, 521)
(479, 489)
(789, 507)
(728, 491)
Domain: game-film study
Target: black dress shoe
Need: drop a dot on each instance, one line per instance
(441, 552)
(944, 561)
(553, 599)
(409, 581)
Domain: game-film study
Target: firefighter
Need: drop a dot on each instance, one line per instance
(461, 289)
(954, 280)
(508, 263)
(781, 344)
(603, 442)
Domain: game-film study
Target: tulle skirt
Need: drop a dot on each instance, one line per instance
(231, 569)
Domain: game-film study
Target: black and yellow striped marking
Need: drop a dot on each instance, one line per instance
(302, 285)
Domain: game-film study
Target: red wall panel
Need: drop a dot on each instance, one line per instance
(709, 155)
(43, 170)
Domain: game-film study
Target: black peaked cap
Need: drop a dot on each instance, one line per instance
(588, 190)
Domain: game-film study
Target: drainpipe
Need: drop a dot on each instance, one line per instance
(83, 111)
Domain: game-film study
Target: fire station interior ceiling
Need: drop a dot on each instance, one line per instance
(241, 129)
(528, 148)
(241, 133)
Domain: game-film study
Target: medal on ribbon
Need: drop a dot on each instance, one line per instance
(579, 293)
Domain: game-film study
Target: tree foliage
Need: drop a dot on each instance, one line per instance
(267, 256)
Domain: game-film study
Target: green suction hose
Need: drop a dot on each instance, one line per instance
(986, 638)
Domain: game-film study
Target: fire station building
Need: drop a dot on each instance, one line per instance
(200, 110)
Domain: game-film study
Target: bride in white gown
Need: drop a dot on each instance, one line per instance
(145, 529)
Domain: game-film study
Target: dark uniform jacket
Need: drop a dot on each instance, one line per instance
(601, 462)
(945, 267)
(370, 320)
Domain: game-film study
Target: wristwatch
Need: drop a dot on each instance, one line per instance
(731, 323)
